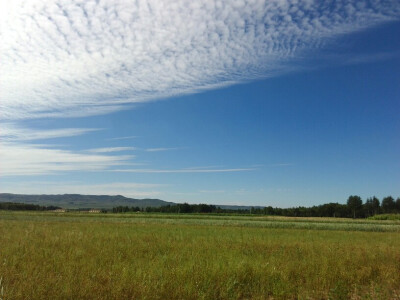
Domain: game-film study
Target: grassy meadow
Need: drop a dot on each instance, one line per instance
(157, 256)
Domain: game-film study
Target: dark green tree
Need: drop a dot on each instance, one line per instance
(372, 206)
(398, 205)
(388, 205)
(376, 205)
(355, 204)
(184, 208)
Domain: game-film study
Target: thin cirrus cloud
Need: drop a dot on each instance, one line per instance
(12, 132)
(18, 156)
(26, 159)
(160, 149)
(111, 149)
(122, 138)
(198, 170)
(80, 58)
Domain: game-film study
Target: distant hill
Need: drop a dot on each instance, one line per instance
(76, 201)
(82, 201)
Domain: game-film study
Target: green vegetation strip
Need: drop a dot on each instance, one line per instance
(206, 220)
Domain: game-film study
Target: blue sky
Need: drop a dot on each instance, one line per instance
(276, 103)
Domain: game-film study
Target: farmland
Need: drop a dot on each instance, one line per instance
(46, 255)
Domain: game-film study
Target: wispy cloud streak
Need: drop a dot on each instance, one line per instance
(27, 159)
(11, 132)
(160, 149)
(111, 149)
(79, 58)
(19, 156)
(183, 170)
(122, 138)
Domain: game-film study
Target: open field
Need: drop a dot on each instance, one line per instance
(155, 256)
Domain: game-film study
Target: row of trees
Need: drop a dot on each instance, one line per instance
(373, 206)
(186, 208)
(354, 208)
(122, 209)
(25, 206)
(178, 208)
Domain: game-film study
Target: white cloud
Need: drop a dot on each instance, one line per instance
(183, 170)
(366, 58)
(27, 159)
(79, 58)
(207, 167)
(122, 138)
(111, 149)
(11, 132)
(19, 157)
(160, 149)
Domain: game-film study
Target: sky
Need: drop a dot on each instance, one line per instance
(281, 103)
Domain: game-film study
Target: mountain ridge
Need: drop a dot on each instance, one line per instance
(80, 201)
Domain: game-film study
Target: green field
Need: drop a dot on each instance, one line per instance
(158, 256)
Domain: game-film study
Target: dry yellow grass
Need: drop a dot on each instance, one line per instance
(100, 258)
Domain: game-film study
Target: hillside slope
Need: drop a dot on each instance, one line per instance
(82, 201)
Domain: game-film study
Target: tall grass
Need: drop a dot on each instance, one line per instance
(386, 217)
(205, 219)
(69, 257)
(1, 289)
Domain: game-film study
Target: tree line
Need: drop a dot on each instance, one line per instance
(177, 208)
(25, 206)
(354, 208)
